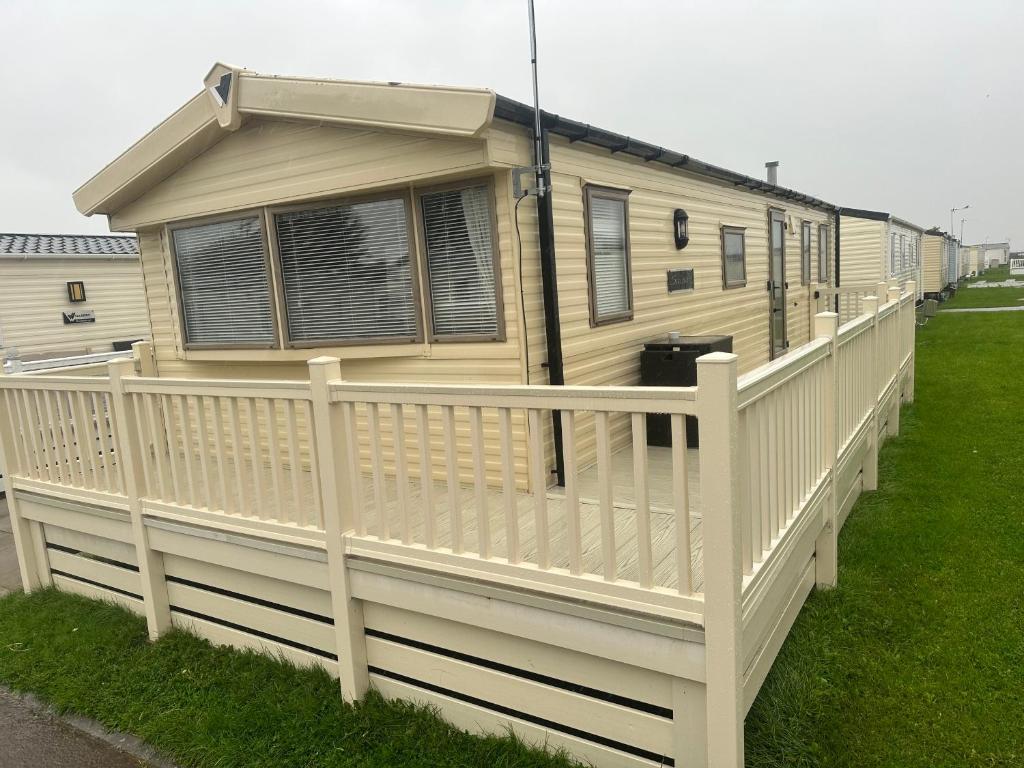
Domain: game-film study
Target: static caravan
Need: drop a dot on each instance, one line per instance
(938, 252)
(995, 254)
(878, 246)
(971, 260)
(68, 295)
(379, 223)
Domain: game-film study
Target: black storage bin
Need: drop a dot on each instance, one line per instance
(124, 346)
(668, 363)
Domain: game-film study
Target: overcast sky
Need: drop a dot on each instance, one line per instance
(907, 107)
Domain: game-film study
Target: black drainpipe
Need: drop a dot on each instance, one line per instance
(552, 325)
(837, 216)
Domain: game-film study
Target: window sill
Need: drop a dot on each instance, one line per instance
(304, 354)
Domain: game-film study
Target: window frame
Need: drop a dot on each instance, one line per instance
(742, 232)
(591, 191)
(824, 249)
(248, 213)
(806, 235)
(394, 194)
(427, 315)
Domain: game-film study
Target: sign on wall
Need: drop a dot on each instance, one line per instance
(680, 280)
(85, 316)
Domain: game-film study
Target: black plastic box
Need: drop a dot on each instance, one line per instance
(666, 363)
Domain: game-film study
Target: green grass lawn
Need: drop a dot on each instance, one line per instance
(994, 274)
(986, 297)
(915, 660)
(216, 707)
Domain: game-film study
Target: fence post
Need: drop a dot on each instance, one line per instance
(142, 353)
(718, 421)
(826, 549)
(894, 412)
(911, 338)
(21, 529)
(332, 463)
(871, 460)
(129, 455)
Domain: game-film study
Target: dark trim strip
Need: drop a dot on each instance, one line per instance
(255, 632)
(509, 712)
(73, 577)
(255, 600)
(554, 682)
(91, 556)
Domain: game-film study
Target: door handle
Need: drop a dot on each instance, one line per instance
(768, 283)
(786, 285)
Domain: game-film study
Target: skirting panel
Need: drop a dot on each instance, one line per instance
(88, 550)
(245, 593)
(601, 710)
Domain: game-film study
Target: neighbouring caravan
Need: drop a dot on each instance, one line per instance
(940, 259)
(994, 254)
(970, 257)
(878, 246)
(67, 295)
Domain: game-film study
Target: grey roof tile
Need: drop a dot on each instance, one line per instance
(68, 245)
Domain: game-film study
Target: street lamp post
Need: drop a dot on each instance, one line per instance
(951, 212)
(962, 230)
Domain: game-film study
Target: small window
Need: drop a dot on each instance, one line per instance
(903, 252)
(734, 257)
(805, 253)
(893, 268)
(347, 273)
(611, 290)
(222, 277)
(458, 227)
(824, 240)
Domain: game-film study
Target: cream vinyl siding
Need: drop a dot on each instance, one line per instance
(910, 236)
(33, 296)
(268, 162)
(933, 263)
(611, 354)
(865, 249)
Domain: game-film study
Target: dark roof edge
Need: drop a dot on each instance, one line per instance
(522, 114)
(863, 213)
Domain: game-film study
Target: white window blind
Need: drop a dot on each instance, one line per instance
(225, 293)
(609, 260)
(346, 272)
(734, 257)
(903, 252)
(460, 262)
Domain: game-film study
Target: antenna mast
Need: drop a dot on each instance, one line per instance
(538, 158)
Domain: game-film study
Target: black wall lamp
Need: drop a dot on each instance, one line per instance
(680, 227)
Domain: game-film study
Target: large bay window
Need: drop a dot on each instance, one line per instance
(223, 284)
(346, 273)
